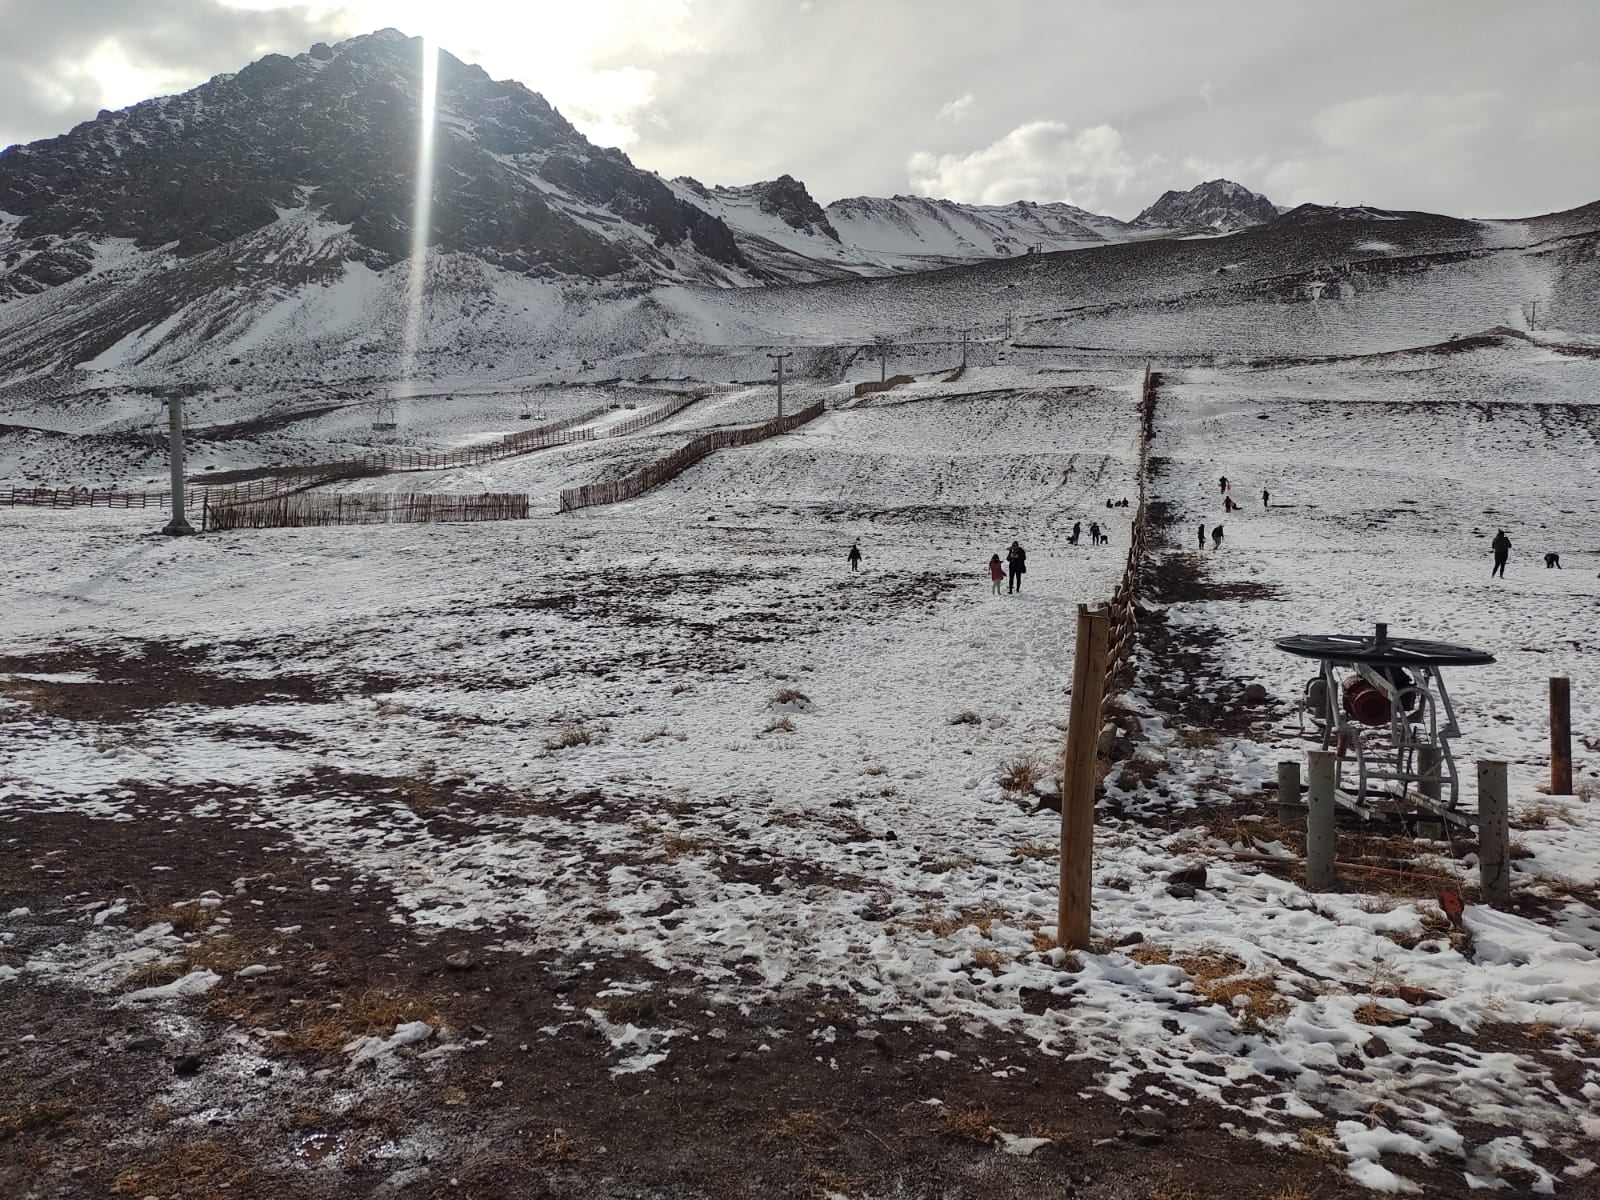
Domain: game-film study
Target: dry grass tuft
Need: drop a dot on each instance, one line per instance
(1043, 943)
(196, 1168)
(184, 918)
(1219, 978)
(678, 846)
(40, 1114)
(1021, 774)
(156, 974)
(1151, 954)
(1197, 738)
(1039, 850)
(1320, 1141)
(804, 1125)
(573, 733)
(1373, 1013)
(368, 1014)
(779, 725)
(988, 958)
(636, 1008)
(230, 952)
(559, 1146)
(945, 924)
(966, 717)
(968, 1125)
(791, 696)
(827, 1185)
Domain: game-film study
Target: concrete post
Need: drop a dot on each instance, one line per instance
(1319, 820)
(1494, 832)
(179, 524)
(1430, 784)
(1291, 811)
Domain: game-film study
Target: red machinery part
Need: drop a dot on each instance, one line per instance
(1367, 704)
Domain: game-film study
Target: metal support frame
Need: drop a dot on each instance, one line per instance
(1394, 762)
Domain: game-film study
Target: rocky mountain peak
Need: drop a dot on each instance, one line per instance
(1217, 204)
(787, 199)
(335, 130)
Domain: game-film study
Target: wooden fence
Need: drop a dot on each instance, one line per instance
(1124, 600)
(250, 486)
(894, 381)
(660, 471)
(364, 508)
(40, 497)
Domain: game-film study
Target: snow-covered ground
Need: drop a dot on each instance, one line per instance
(681, 730)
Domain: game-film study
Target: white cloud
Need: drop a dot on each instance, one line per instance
(1042, 160)
(956, 110)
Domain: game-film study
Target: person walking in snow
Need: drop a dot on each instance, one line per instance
(1216, 538)
(1094, 533)
(854, 557)
(1552, 560)
(1077, 532)
(997, 572)
(1227, 504)
(1502, 552)
(1266, 498)
(1222, 485)
(1017, 562)
(1202, 535)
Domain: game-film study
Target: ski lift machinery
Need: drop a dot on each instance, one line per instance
(1380, 704)
(385, 415)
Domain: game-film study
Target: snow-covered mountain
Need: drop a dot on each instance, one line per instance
(334, 132)
(1217, 206)
(254, 233)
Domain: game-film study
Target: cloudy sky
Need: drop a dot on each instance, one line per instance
(1472, 107)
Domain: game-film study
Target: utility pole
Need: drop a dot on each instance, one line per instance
(964, 334)
(778, 358)
(882, 343)
(1533, 315)
(179, 523)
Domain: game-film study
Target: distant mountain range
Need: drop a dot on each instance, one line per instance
(334, 130)
(249, 233)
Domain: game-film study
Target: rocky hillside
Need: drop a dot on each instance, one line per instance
(335, 131)
(1217, 206)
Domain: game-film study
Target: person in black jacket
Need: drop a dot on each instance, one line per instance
(1216, 538)
(1502, 552)
(1202, 535)
(1017, 564)
(854, 557)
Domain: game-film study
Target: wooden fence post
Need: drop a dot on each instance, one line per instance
(1078, 773)
(1560, 736)
(1320, 837)
(1494, 832)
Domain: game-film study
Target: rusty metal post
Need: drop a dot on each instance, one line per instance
(1560, 736)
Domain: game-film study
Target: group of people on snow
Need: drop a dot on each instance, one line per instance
(1014, 568)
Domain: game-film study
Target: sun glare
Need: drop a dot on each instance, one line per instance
(421, 218)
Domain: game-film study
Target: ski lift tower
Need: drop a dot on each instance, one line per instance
(1379, 703)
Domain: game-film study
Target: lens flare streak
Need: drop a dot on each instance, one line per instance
(421, 219)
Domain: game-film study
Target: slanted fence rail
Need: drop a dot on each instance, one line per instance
(655, 474)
